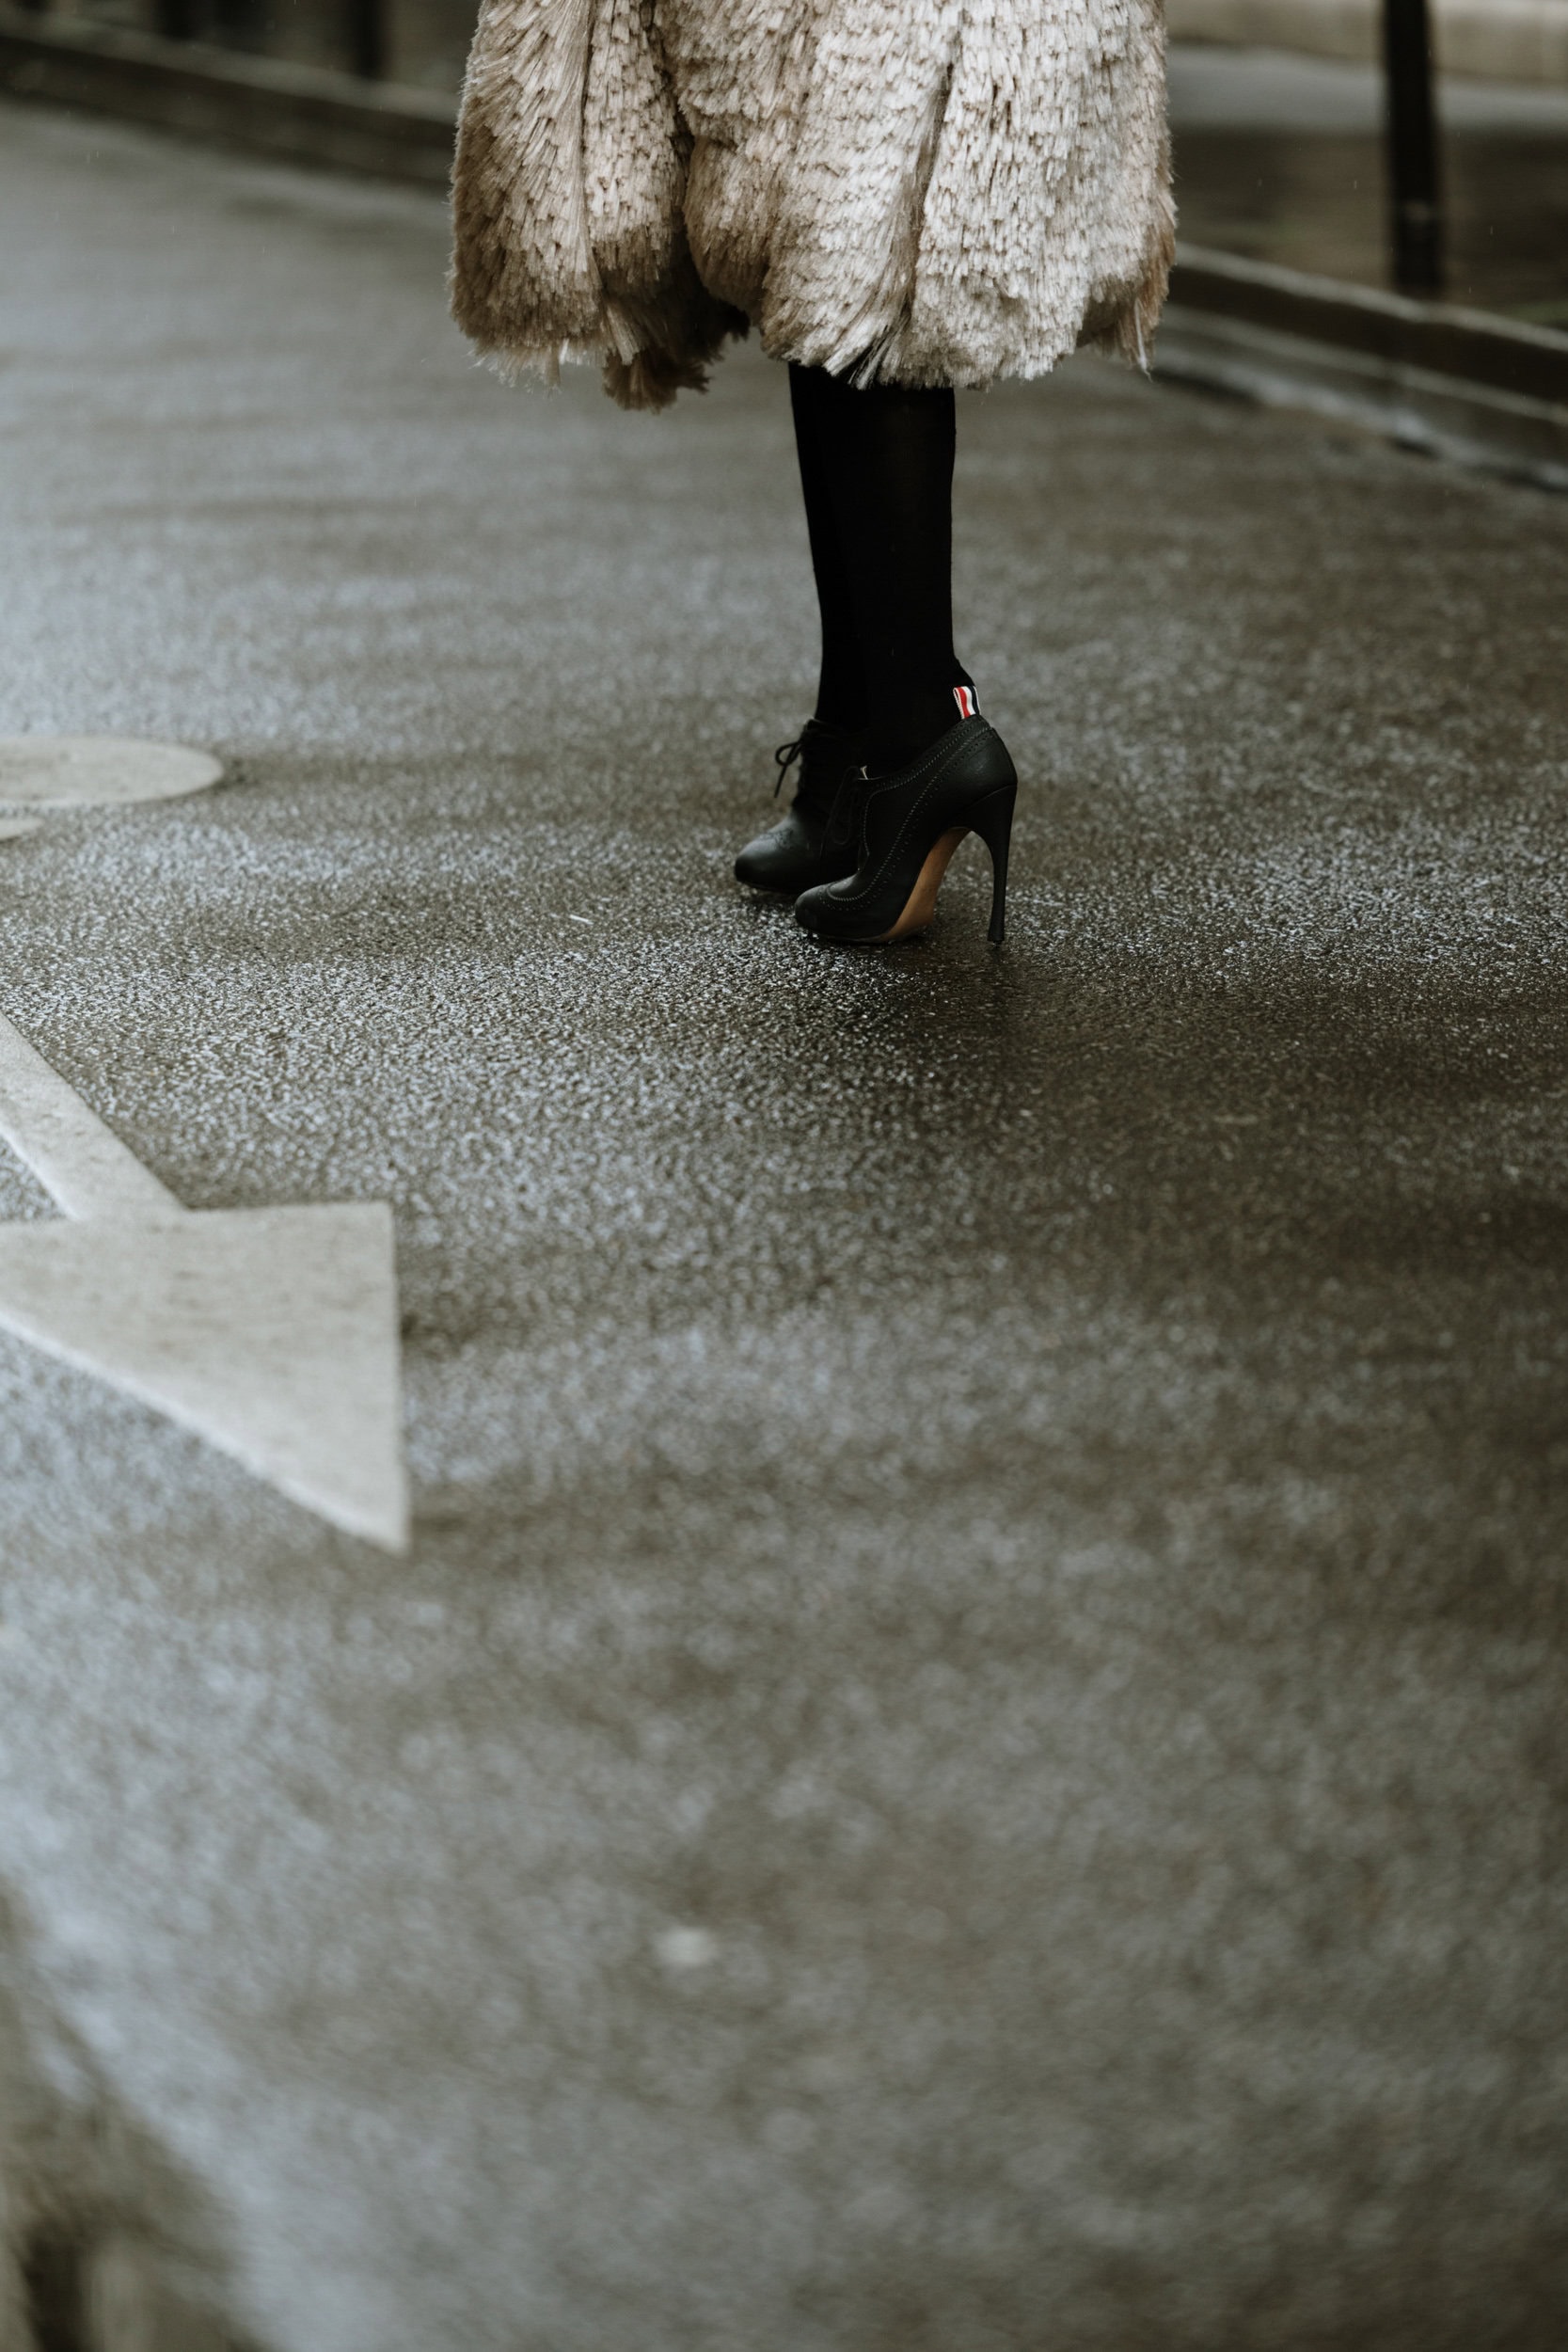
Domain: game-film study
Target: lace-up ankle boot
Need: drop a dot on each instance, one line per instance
(796, 853)
(903, 828)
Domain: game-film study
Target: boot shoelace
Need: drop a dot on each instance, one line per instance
(814, 732)
(785, 757)
(813, 738)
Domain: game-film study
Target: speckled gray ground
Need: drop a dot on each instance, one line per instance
(1016, 1503)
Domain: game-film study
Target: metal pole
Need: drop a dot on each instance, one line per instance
(367, 38)
(1413, 177)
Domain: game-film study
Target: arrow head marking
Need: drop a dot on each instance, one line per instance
(273, 1333)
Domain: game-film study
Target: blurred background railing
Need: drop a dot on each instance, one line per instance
(1324, 136)
(421, 43)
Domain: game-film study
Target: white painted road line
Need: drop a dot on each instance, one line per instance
(272, 1333)
(85, 1170)
(99, 770)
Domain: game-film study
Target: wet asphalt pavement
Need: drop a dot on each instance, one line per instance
(971, 1753)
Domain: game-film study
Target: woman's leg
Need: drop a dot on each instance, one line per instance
(876, 474)
(841, 684)
(794, 854)
(879, 464)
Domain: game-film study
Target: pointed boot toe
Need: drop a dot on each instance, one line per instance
(796, 852)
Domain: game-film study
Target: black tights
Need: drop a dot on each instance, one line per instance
(877, 471)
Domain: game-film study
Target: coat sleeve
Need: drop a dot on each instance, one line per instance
(568, 237)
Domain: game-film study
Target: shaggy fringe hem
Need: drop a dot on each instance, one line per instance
(1130, 334)
(641, 376)
(650, 376)
(649, 380)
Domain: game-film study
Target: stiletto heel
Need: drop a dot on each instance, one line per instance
(993, 822)
(906, 827)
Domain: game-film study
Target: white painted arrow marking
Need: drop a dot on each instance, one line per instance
(73, 1155)
(273, 1333)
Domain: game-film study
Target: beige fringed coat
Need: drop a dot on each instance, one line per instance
(922, 191)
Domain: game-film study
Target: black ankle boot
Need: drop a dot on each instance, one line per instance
(904, 827)
(794, 854)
